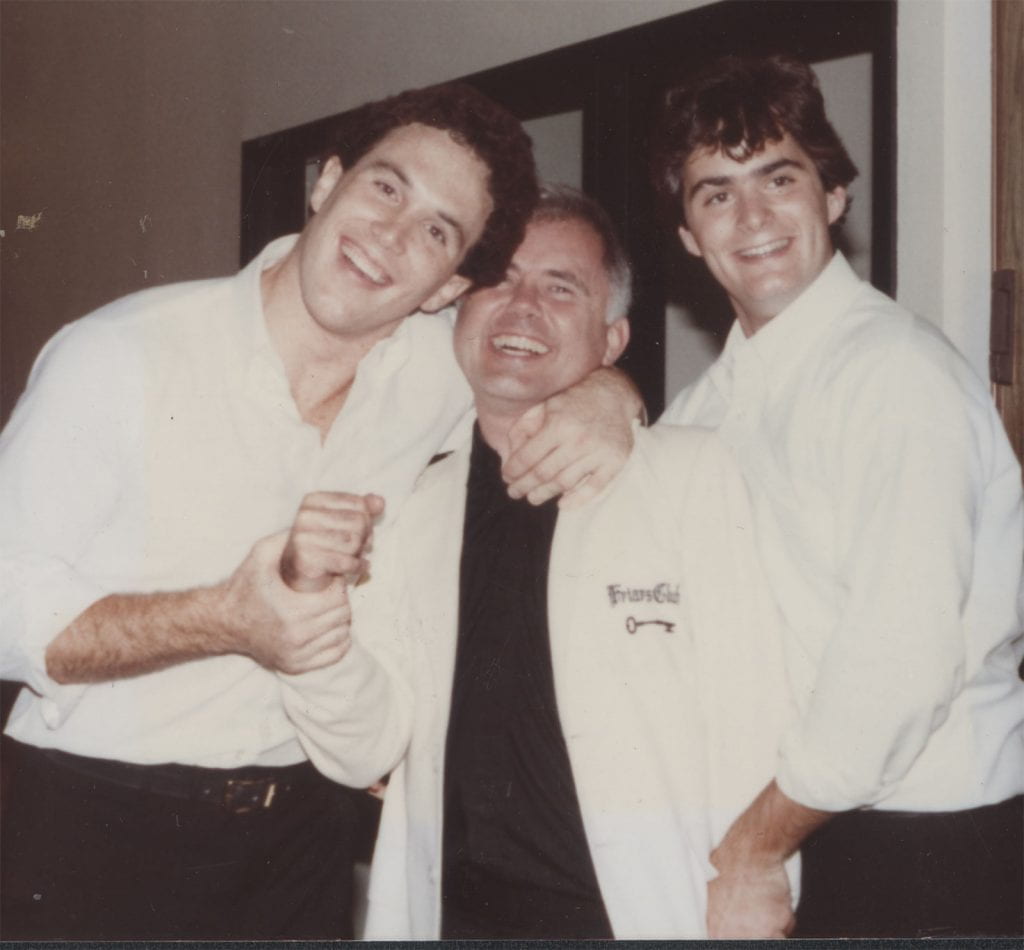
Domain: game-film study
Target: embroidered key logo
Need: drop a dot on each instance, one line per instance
(632, 623)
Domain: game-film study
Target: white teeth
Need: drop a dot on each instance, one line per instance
(518, 344)
(765, 249)
(365, 266)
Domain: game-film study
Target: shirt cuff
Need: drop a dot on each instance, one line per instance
(46, 596)
(814, 783)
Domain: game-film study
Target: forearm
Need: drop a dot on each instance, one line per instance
(751, 897)
(126, 635)
(768, 832)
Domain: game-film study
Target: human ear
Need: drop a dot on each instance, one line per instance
(835, 203)
(330, 175)
(617, 335)
(450, 290)
(689, 241)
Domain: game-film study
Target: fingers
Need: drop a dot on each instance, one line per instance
(589, 477)
(558, 473)
(525, 450)
(331, 532)
(310, 566)
(537, 462)
(317, 638)
(570, 472)
(329, 648)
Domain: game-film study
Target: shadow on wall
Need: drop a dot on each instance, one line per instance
(690, 287)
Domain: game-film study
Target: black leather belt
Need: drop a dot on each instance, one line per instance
(240, 791)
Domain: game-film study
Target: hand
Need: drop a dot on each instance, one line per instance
(575, 443)
(282, 629)
(331, 532)
(750, 902)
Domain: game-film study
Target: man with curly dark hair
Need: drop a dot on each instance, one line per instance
(481, 125)
(889, 516)
(157, 787)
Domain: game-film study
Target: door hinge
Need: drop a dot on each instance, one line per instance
(1000, 360)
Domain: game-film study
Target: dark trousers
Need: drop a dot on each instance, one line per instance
(903, 874)
(85, 857)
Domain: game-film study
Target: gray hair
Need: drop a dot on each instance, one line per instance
(562, 203)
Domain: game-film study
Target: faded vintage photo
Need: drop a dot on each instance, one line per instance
(511, 470)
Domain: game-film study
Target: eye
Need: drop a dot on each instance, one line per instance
(437, 234)
(717, 198)
(780, 181)
(385, 187)
(562, 290)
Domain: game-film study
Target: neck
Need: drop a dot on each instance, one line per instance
(751, 324)
(320, 366)
(751, 320)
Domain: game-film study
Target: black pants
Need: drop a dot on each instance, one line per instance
(86, 858)
(903, 874)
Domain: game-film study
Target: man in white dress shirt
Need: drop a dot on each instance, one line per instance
(157, 787)
(888, 513)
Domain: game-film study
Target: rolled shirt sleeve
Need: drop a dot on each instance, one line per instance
(889, 524)
(59, 484)
(911, 455)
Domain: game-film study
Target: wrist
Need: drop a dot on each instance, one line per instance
(747, 853)
(219, 614)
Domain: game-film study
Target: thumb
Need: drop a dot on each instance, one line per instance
(525, 427)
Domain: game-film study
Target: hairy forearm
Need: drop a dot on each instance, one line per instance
(750, 898)
(769, 831)
(126, 635)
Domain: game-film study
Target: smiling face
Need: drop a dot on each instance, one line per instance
(543, 328)
(761, 225)
(389, 233)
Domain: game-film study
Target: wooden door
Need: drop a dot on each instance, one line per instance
(1008, 216)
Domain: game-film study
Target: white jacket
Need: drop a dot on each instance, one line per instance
(671, 726)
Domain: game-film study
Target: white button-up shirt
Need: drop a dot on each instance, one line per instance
(888, 509)
(156, 441)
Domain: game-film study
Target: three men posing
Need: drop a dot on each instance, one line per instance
(887, 512)
(908, 697)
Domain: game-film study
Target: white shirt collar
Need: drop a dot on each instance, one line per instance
(781, 342)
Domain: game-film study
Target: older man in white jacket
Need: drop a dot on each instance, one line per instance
(566, 694)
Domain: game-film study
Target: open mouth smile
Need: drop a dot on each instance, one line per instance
(764, 250)
(515, 345)
(363, 265)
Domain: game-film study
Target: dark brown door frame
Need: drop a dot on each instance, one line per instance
(1008, 210)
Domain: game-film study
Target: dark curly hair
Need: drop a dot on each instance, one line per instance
(738, 105)
(495, 136)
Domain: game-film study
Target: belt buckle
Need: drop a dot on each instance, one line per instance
(243, 795)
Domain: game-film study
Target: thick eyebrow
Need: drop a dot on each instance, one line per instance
(570, 278)
(762, 171)
(383, 164)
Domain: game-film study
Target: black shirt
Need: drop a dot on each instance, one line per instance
(516, 863)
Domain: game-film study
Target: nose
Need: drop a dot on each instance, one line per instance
(390, 232)
(525, 298)
(752, 211)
